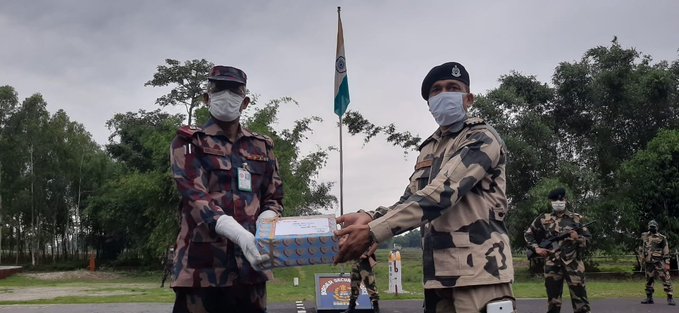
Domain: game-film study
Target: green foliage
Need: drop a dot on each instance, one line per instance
(357, 124)
(188, 81)
(648, 189)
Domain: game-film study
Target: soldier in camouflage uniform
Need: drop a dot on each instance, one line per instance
(457, 193)
(228, 179)
(656, 253)
(565, 262)
(167, 265)
(362, 271)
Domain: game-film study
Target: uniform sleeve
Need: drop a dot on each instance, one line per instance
(272, 199)
(666, 251)
(191, 179)
(642, 246)
(478, 154)
(381, 211)
(534, 230)
(585, 235)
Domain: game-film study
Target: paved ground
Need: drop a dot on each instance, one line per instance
(524, 306)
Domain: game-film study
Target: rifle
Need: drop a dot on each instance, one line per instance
(550, 243)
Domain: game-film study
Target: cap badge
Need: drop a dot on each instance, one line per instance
(455, 72)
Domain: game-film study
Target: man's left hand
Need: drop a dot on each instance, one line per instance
(667, 266)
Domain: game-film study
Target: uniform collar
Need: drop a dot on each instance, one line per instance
(211, 128)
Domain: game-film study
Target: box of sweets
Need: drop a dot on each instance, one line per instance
(298, 240)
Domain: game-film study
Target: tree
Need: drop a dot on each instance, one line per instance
(647, 189)
(188, 81)
(611, 103)
(8, 103)
(136, 211)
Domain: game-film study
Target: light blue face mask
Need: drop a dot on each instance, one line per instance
(447, 108)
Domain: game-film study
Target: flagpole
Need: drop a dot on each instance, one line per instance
(340, 152)
(341, 169)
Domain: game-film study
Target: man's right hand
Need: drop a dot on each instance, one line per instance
(542, 252)
(232, 230)
(357, 218)
(354, 236)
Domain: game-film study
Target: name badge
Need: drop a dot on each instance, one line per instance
(244, 180)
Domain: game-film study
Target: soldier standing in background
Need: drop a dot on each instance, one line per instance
(457, 193)
(362, 271)
(656, 253)
(228, 180)
(167, 265)
(566, 261)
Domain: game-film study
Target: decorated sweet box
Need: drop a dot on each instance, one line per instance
(298, 240)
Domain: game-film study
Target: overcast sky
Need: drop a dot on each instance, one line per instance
(92, 58)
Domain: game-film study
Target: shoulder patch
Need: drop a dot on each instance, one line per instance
(188, 132)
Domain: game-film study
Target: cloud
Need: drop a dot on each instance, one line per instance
(92, 58)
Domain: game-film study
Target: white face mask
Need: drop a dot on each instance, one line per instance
(447, 108)
(558, 206)
(225, 105)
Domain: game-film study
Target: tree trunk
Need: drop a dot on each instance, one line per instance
(0, 212)
(34, 233)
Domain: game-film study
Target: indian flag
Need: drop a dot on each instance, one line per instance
(341, 83)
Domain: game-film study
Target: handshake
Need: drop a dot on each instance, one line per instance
(300, 241)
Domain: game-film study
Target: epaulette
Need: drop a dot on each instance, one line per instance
(188, 132)
(575, 216)
(425, 142)
(266, 138)
(473, 121)
(546, 216)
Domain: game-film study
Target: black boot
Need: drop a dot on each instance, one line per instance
(376, 306)
(352, 307)
(670, 301)
(649, 299)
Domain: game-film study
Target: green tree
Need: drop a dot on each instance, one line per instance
(188, 82)
(8, 103)
(136, 210)
(647, 189)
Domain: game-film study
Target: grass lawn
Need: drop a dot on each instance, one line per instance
(144, 286)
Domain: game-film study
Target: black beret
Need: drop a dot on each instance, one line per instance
(557, 194)
(450, 70)
(228, 73)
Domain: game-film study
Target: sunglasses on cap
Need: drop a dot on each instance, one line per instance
(217, 86)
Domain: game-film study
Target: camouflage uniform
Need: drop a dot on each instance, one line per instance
(362, 271)
(167, 266)
(656, 252)
(566, 263)
(457, 192)
(205, 166)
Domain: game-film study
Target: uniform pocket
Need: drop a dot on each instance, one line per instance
(206, 249)
(420, 179)
(455, 261)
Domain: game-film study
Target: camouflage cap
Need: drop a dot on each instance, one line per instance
(228, 73)
(652, 223)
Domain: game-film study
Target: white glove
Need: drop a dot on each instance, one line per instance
(229, 228)
(267, 215)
